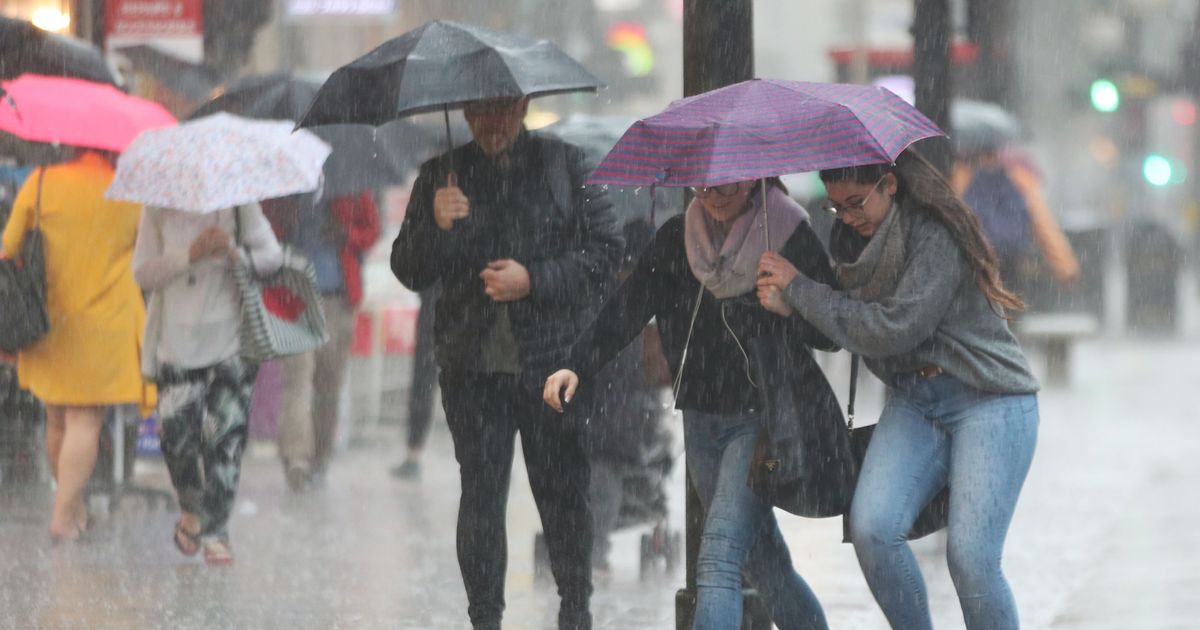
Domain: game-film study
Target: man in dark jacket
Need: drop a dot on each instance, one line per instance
(526, 254)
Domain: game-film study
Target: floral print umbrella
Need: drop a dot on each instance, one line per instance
(218, 161)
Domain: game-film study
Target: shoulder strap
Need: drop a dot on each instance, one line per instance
(237, 226)
(558, 174)
(853, 390)
(687, 342)
(37, 208)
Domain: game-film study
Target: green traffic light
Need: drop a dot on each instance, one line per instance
(1105, 96)
(1157, 170)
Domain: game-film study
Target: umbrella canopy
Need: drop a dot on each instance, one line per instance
(981, 126)
(363, 157)
(25, 48)
(763, 128)
(218, 161)
(74, 112)
(191, 80)
(597, 135)
(440, 65)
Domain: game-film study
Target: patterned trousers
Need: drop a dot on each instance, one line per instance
(203, 413)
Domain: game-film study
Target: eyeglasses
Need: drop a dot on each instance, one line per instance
(854, 210)
(724, 190)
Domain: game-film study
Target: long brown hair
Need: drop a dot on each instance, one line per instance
(929, 191)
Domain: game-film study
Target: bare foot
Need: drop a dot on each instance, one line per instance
(61, 534)
(218, 553)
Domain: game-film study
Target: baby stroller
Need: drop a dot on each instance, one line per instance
(631, 453)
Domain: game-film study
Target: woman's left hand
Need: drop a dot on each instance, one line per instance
(775, 271)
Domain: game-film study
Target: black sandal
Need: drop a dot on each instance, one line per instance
(186, 542)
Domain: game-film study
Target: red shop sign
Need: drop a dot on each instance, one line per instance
(153, 18)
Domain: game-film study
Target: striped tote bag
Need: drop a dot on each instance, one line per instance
(281, 311)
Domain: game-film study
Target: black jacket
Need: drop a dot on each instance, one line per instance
(662, 287)
(530, 205)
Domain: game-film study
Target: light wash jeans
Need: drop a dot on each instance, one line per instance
(740, 531)
(932, 432)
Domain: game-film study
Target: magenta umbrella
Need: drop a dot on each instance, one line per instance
(58, 110)
(763, 128)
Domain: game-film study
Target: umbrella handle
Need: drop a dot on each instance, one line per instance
(766, 226)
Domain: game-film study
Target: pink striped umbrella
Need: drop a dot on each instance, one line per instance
(58, 110)
(763, 128)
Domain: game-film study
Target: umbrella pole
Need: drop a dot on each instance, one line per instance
(766, 226)
(449, 146)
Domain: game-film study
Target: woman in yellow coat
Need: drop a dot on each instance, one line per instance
(90, 357)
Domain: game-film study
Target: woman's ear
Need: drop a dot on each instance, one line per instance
(891, 184)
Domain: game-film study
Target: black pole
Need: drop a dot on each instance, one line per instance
(718, 50)
(931, 73)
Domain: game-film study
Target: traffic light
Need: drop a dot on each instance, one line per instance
(1159, 170)
(1105, 95)
(629, 39)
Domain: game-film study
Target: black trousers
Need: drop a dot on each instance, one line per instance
(485, 412)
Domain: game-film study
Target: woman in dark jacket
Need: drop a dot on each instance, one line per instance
(696, 280)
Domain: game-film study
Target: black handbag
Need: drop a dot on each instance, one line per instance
(802, 461)
(24, 318)
(933, 516)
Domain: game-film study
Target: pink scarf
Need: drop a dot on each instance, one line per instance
(732, 270)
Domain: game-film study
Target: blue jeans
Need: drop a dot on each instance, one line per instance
(933, 432)
(740, 531)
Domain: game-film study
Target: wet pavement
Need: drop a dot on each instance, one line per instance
(1106, 534)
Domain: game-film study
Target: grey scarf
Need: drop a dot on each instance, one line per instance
(876, 272)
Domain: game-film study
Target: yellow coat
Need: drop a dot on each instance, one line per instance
(90, 356)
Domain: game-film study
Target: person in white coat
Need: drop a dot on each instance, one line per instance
(204, 386)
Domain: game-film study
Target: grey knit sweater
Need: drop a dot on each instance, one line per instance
(936, 316)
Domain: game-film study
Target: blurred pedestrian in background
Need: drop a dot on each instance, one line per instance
(422, 387)
(334, 234)
(525, 253)
(697, 281)
(89, 359)
(1006, 194)
(922, 301)
(204, 385)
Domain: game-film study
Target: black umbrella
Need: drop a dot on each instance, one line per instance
(442, 65)
(597, 135)
(192, 80)
(363, 157)
(25, 48)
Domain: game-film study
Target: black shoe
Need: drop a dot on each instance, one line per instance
(298, 479)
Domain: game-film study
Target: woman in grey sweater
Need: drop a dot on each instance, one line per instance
(922, 302)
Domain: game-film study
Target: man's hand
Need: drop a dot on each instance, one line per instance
(213, 241)
(450, 204)
(555, 385)
(506, 280)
